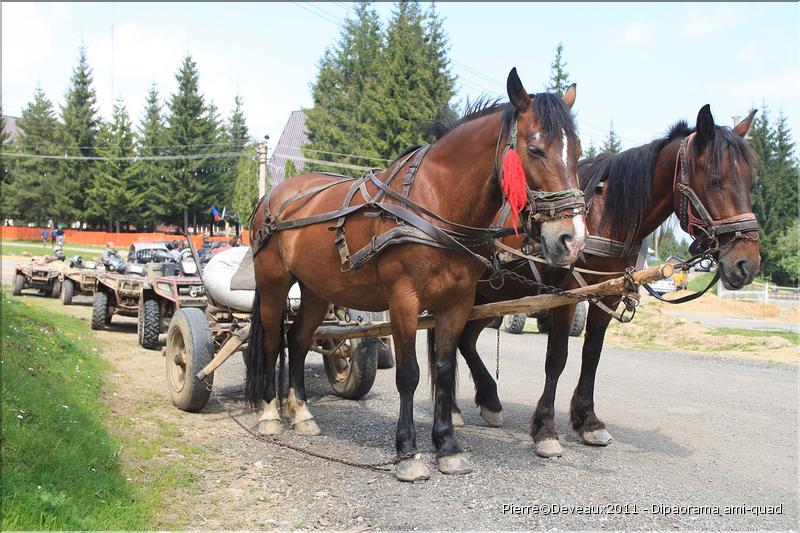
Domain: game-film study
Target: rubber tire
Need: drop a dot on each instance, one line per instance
(363, 367)
(496, 323)
(191, 327)
(514, 323)
(55, 288)
(18, 284)
(385, 353)
(543, 325)
(67, 291)
(149, 324)
(99, 310)
(579, 319)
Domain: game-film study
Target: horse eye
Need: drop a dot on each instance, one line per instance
(715, 182)
(535, 150)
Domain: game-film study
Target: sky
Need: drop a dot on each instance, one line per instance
(641, 65)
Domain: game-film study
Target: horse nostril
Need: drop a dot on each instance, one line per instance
(743, 268)
(566, 239)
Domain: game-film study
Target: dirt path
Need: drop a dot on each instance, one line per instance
(689, 431)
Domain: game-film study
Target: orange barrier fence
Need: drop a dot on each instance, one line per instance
(100, 238)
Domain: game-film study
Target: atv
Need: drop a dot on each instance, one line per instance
(79, 278)
(41, 273)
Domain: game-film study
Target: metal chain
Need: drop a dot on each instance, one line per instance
(497, 363)
(377, 467)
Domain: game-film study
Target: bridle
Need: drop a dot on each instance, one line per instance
(542, 206)
(695, 218)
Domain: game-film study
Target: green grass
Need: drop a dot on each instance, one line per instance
(794, 338)
(36, 248)
(61, 467)
(701, 282)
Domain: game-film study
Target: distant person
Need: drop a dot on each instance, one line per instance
(53, 233)
(44, 236)
(108, 253)
(60, 237)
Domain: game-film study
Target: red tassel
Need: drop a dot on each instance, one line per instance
(514, 184)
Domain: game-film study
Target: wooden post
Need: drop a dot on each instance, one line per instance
(261, 153)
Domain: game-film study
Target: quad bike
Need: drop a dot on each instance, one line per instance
(79, 278)
(118, 291)
(515, 322)
(41, 273)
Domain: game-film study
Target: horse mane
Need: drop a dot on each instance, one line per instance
(553, 114)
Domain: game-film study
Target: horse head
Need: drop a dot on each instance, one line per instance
(546, 141)
(715, 208)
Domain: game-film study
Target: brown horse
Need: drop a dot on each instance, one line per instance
(457, 186)
(634, 192)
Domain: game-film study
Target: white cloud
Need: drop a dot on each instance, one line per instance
(747, 54)
(699, 24)
(639, 32)
(27, 42)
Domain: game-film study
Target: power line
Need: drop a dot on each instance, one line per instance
(218, 155)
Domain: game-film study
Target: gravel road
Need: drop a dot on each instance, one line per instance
(689, 431)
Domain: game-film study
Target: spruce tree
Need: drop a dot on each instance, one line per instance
(5, 174)
(109, 197)
(238, 136)
(245, 190)
(191, 184)
(38, 191)
(611, 144)
(340, 120)
(591, 151)
(559, 77)
(147, 174)
(81, 126)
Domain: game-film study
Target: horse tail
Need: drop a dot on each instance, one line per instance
(256, 376)
(432, 361)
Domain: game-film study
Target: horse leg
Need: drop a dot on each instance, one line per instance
(543, 428)
(485, 387)
(300, 335)
(442, 360)
(584, 420)
(404, 309)
(269, 305)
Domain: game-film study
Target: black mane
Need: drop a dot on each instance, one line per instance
(551, 111)
(628, 176)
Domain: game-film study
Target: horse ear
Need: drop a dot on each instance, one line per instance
(705, 126)
(516, 92)
(743, 127)
(569, 95)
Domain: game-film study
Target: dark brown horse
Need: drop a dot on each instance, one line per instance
(636, 191)
(458, 181)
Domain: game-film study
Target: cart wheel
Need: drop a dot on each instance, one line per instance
(579, 319)
(67, 291)
(149, 325)
(542, 324)
(55, 288)
(99, 310)
(385, 353)
(189, 349)
(351, 368)
(19, 283)
(514, 323)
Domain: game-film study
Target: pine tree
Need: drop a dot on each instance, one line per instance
(340, 120)
(38, 190)
(109, 198)
(289, 170)
(412, 88)
(191, 184)
(81, 128)
(148, 175)
(611, 144)
(559, 77)
(245, 190)
(591, 151)
(238, 136)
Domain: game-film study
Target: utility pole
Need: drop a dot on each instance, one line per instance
(261, 153)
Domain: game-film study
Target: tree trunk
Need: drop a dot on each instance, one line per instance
(185, 220)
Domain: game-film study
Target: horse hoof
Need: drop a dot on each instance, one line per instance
(549, 448)
(458, 420)
(454, 464)
(413, 469)
(270, 427)
(598, 437)
(494, 419)
(308, 428)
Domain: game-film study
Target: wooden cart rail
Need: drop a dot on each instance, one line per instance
(528, 304)
(613, 287)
